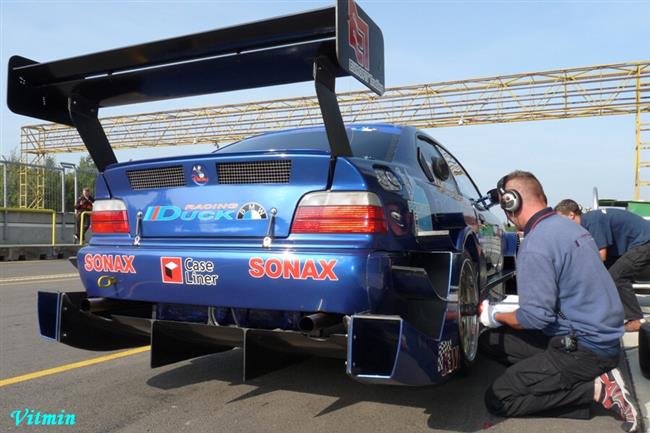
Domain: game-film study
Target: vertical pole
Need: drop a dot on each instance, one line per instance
(4, 198)
(4, 184)
(76, 187)
(53, 227)
(74, 199)
(62, 204)
(63, 191)
(39, 200)
(81, 225)
(637, 159)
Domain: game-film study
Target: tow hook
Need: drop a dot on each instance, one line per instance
(105, 281)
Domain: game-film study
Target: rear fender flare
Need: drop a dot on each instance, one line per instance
(471, 245)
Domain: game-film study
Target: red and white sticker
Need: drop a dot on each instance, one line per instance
(293, 269)
(189, 271)
(171, 270)
(358, 36)
(122, 264)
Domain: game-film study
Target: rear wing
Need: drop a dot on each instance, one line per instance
(318, 45)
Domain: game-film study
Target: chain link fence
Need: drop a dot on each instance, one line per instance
(43, 187)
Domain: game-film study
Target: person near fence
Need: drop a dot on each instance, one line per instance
(84, 203)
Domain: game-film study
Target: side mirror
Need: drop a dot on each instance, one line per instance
(440, 168)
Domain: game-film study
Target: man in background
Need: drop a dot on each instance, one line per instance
(623, 241)
(84, 203)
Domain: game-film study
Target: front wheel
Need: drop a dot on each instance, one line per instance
(468, 323)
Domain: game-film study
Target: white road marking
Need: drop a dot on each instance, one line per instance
(12, 280)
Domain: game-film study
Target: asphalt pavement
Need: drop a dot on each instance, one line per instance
(207, 394)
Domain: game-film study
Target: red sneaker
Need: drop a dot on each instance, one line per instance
(615, 396)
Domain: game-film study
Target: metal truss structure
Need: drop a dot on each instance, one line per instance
(603, 90)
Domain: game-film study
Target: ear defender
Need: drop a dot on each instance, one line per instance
(510, 198)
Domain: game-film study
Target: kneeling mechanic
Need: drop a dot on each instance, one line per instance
(562, 340)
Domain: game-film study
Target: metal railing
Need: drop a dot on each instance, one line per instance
(42, 186)
(38, 189)
(21, 210)
(81, 225)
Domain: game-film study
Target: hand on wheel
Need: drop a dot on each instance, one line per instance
(488, 311)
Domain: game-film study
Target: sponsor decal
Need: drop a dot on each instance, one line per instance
(172, 270)
(176, 270)
(293, 269)
(192, 212)
(29, 416)
(364, 75)
(122, 264)
(358, 36)
(251, 211)
(354, 50)
(198, 175)
(448, 358)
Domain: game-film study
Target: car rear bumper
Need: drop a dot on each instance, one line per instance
(339, 281)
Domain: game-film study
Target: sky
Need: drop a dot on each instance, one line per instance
(425, 42)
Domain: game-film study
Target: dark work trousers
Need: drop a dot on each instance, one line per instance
(624, 271)
(543, 379)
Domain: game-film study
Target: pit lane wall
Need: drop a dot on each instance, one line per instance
(28, 235)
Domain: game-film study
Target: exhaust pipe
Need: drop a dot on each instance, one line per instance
(317, 321)
(95, 305)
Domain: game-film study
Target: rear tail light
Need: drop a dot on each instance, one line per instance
(109, 216)
(340, 212)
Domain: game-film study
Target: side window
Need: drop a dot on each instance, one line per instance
(464, 182)
(427, 155)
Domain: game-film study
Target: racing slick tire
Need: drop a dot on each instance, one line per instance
(468, 321)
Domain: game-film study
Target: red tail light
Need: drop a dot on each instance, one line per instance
(340, 212)
(109, 216)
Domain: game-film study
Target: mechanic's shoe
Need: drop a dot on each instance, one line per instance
(615, 396)
(634, 325)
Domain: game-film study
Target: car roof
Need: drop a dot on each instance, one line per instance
(381, 127)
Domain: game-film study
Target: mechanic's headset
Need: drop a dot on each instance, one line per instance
(510, 198)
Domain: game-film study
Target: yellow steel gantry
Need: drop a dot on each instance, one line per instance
(603, 90)
(642, 137)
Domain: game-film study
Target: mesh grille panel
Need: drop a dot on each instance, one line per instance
(254, 172)
(152, 178)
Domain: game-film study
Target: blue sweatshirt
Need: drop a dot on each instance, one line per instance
(617, 230)
(558, 268)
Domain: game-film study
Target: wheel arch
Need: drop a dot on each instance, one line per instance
(472, 246)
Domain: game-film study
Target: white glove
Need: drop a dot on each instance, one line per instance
(488, 311)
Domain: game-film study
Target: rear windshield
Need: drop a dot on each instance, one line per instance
(367, 142)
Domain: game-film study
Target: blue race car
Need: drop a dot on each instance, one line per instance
(368, 243)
